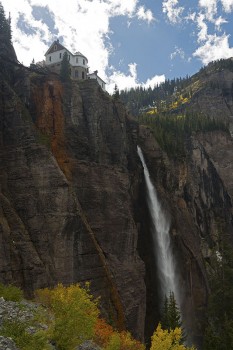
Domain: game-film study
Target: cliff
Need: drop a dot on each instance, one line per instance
(196, 191)
(67, 186)
(73, 201)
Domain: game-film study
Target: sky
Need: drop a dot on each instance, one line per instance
(130, 42)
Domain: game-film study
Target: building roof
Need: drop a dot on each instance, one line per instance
(80, 54)
(96, 75)
(58, 46)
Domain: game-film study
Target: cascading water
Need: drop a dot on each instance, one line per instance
(161, 238)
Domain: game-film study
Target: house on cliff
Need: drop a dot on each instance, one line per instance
(79, 69)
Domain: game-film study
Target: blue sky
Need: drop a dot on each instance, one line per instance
(130, 42)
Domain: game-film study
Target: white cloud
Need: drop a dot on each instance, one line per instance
(130, 80)
(178, 52)
(202, 27)
(227, 5)
(83, 25)
(172, 10)
(145, 15)
(156, 80)
(215, 47)
(210, 7)
(219, 22)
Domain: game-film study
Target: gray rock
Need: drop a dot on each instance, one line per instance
(66, 209)
(7, 344)
(88, 345)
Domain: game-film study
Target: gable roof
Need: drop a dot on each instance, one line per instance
(56, 46)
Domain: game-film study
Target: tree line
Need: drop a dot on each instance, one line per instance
(171, 131)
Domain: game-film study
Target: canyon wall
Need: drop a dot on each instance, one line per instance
(69, 178)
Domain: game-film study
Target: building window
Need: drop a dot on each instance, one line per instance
(82, 75)
(50, 58)
(60, 55)
(76, 59)
(84, 62)
(69, 57)
(55, 47)
(76, 74)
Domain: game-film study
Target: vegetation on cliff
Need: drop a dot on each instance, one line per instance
(168, 339)
(172, 130)
(175, 93)
(67, 317)
(219, 330)
(5, 27)
(65, 68)
(63, 316)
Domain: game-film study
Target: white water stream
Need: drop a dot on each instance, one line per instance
(161, 238)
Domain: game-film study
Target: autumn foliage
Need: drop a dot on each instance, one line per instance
(167, 339)
(75, 314)
(109, 339)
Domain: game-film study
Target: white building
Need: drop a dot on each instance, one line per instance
(94, 75)
(78, 63)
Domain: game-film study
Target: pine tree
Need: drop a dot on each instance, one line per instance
(165, 315)
(171, 317)
(5, 27)
(65, 68)
(116, 94)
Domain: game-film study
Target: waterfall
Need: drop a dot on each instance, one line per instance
(161, 238)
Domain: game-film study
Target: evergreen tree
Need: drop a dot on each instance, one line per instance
(5, 27)
(65, 68)
(116, 94)
(219, 330)
(171, 317)
(165, 315)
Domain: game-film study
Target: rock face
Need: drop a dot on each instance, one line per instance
(68, 179)
(72, 197)
(198, 196)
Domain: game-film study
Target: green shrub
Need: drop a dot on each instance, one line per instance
(114, 343)
(22, 338)
(11, 293)
(75, 312)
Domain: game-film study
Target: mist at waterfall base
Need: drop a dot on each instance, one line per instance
(161, 238)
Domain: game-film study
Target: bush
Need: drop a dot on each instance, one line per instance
(109, 339)
(75, 312)
(114, 343)
(167, 339)
(103, 332)
(11, 293)
(22, 338)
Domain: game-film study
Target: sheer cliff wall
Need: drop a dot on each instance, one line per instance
(68, 181)
(197, 194)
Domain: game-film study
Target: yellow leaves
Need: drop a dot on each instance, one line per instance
(167, 339)
(109, 339)
(75, 312)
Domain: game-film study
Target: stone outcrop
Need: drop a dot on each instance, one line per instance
(68, 178)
